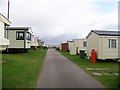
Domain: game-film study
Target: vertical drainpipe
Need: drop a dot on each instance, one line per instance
(8, 8)
(25, 40)
(7, 28)
(8, 17)
(101, 47)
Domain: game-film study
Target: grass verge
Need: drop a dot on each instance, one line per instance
(22, 70)
(107, 81)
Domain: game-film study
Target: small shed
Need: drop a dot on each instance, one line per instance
(105, 44)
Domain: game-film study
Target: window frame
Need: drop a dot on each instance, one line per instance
(84, 44)
(112, 43)
(18, 36)
(28, 36)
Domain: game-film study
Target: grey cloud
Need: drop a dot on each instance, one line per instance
(111, 26)
(59, 39)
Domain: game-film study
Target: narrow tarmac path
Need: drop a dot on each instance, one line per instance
(59, 72)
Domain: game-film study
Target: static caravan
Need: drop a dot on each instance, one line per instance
(105, 44)
(4, 41)
(71, 47)
(60, 47)
(80, 44)
(40, 42)
(70, 44)
(20, 38)
(64, 47)
(34, 41)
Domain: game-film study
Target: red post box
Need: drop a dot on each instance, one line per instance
(93, 56)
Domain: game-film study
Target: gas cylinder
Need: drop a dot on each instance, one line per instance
(93, 56)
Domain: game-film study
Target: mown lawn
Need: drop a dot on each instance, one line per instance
(22, 70)
(108, 81)
(0, 73)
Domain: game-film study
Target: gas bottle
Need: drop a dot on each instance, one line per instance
(93, 56)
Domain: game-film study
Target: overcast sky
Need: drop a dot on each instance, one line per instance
(56, 21)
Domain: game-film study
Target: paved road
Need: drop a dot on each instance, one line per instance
(59, 72)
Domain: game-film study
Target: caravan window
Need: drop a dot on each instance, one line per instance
(112, 43)
(84, 44)
(28, 36)
(19, 35)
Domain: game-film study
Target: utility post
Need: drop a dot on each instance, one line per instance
(119, 73)
(6, 27)
(8, 9)
(119, 45)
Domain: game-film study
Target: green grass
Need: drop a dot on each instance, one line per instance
(0, 71)
(0, 76)
(107, 81)
(22, 70)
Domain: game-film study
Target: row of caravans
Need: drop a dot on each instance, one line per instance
(105, 43)
(16, 38)
(74, 46)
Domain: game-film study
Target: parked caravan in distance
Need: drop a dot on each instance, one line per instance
(40, 42)
(64, 46)
(80, 44)
(34, 41)
(72, 48)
